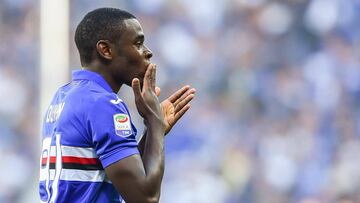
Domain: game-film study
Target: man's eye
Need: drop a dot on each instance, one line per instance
(138, 44)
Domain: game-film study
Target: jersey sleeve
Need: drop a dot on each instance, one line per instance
(113, 134)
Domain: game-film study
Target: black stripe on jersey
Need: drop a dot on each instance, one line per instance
(82, 166)
(52, 166)
(78, 166)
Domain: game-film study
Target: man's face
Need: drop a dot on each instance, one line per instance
(131, 56)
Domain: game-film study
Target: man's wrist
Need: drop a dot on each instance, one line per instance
(155, 123)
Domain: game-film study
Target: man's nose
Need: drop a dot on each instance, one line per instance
(148, 53)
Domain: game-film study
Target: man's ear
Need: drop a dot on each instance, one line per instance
(103, 47)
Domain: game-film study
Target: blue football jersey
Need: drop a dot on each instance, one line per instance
(86, 128)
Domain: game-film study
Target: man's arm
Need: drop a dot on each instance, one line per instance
(138, 178)
(173, 108)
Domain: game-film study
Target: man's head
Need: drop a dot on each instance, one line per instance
(113, 39)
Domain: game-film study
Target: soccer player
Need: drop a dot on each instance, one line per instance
(89, 150)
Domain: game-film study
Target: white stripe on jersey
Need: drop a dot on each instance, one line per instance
(78, 175)
(53, 151)
(78, 151)
(43, 175)
(83, 175)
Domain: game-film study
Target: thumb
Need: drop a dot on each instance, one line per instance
(157, 91)
(135, 84)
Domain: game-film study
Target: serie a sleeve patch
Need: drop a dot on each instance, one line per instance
(122, 125)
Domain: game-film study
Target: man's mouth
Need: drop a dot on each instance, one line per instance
(146, 65)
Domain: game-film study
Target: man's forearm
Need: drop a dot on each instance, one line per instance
(141, 144)
(153, 154)
(142, 141)
(138, 178)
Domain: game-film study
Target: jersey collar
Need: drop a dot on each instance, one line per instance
(92, 76)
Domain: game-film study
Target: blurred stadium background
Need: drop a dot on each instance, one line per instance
(276, 118)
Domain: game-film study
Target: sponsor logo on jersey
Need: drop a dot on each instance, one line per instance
(115, 101)
(122, 125)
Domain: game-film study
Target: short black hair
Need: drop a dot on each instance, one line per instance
(99, 24)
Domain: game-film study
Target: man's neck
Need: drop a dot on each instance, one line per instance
(102, 70)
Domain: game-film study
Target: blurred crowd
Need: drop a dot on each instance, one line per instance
(276, 118)
(19, 119)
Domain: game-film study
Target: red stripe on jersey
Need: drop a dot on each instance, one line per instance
(72, 159)
(52, 160)
(79, 160)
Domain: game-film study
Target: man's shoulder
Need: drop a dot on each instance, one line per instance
(89, 90)
(87, 96)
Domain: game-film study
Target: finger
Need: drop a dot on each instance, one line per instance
(186, 94)
(147, 77)
(153, 78)
(184, 102)
(157, 91)
(135, 84)
(178, 93)
(179, 114)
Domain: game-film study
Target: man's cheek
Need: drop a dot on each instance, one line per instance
(136, 60)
